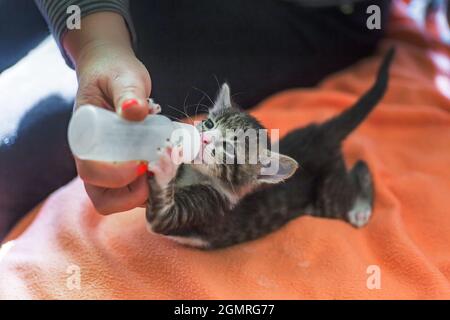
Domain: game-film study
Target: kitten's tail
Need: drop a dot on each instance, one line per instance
(343, 124)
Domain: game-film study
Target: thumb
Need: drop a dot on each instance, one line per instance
(130, 97)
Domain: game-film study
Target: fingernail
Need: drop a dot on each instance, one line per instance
(129, 103)
(141, 169)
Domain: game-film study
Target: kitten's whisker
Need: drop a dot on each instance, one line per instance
(196, 109)
(237, 93)
(184, 102)
(175, 118)
(200, 105)
(205, 94)
(206, 108)
(185, 115)
(177, 109)
(232, 187)
(217, 81)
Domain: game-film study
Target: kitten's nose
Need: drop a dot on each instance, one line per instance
(206, 139)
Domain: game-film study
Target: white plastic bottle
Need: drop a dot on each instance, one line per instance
(98, 134)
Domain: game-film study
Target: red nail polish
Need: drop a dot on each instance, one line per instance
(129, 103)
(141, 169)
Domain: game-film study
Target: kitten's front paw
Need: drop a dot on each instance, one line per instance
(167, 165)
(153, 106)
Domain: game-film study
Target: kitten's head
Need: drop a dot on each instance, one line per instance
(236, 148)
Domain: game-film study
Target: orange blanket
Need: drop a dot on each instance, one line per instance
(69, 251)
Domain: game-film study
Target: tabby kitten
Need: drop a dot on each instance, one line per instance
(213, 205)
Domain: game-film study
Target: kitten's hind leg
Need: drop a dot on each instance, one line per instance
(345, 195)
(361, 211)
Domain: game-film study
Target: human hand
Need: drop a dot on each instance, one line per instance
(110, 76)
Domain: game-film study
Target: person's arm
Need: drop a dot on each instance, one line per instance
(55, 13)
(99, 29)
(109, 76)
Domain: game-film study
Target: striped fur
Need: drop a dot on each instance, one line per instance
(218, 205)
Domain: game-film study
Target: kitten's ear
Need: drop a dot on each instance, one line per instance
(277, 168)
(223, 100)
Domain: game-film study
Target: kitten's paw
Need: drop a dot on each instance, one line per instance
(167, 165)
(360, 215)
(153, 106)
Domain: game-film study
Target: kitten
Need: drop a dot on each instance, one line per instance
(214, 205)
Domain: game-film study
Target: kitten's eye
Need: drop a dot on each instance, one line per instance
(209, 124)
